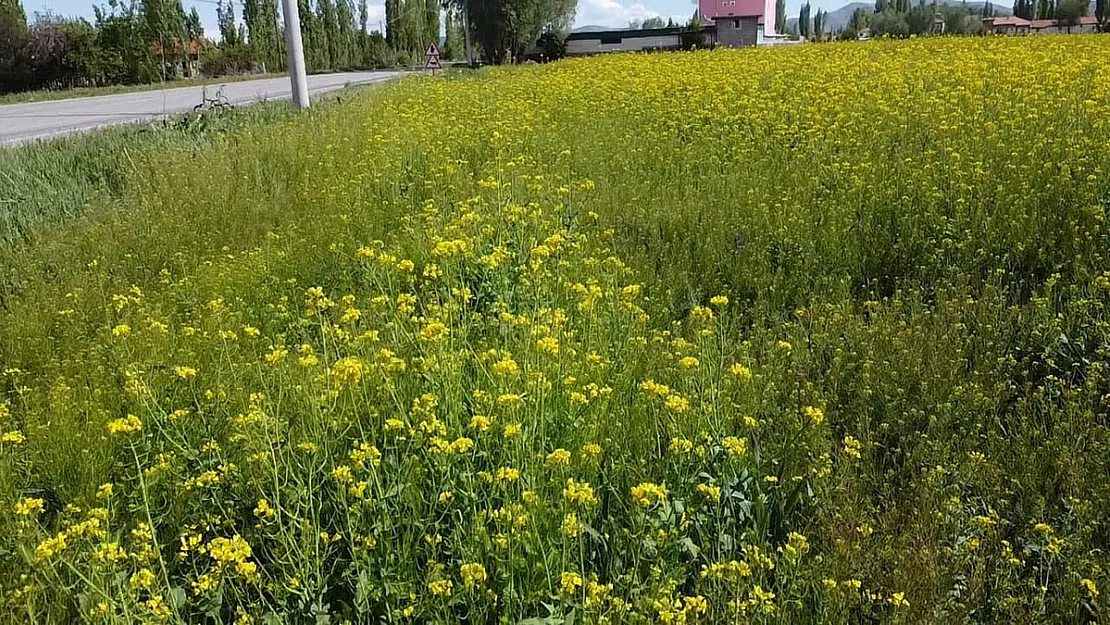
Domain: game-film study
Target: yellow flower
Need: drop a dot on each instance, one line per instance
(185, 373)
(342, 474)
(796, 546)
(126, 425)
(121, 330)
(814, 414)
(677, 404)
(735, 446)
(510, 400)
(473, 574)
(720, 301)
(852, 447)
(348, 370)
(569, 583)
(263, 510)
(681, 446)
(143, 579)
(689, 362)
(740, 372)
(571, 525)
(440, 587)
(651, 387)
(13, 437)
(507, 474)
(229, 550)
(105, 491)
(480, 422)
(710, 492)
(433, 332)
(512, 429)
(276, 355)
(51, 546)
(29, 507)
(558, 458)
(647, 494)
(548, 344)
(506, 367)
(579, 493)
(157, 607)
(1089, 586)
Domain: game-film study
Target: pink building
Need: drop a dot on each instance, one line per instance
(746, 21)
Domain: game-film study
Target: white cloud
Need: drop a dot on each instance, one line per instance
(615, 14)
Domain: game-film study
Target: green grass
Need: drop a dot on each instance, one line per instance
(820, 334)
(58, 181)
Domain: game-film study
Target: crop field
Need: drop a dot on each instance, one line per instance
(805, 335)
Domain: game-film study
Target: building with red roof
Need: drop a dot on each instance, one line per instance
(1017, 26)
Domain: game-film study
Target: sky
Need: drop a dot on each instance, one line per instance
(612, 13)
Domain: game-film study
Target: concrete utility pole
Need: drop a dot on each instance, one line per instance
(466, 29)
(295, 52)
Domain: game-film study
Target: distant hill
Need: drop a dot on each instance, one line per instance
(839, 18)
(593, 29)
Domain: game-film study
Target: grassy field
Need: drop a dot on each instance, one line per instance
(86, 92)
(816, 334)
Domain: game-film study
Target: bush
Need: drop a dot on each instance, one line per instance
(227, 60)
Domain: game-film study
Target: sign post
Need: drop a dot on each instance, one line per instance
(431, 57)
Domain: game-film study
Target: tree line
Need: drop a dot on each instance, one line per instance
(900, 18)
(146, 41)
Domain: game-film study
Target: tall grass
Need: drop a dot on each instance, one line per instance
(795, 335)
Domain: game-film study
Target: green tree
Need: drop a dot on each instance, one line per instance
(431, 21)
(121, 36)
(193, 27)
(225, 19)
(1068, 12)
(164, 26)
(780, 16)
(344, 45)
(392, 26)
(804, 23)
(260, 18)
(452, 43)
(13, 37)
(328, 33)
(651, 22)
(363, 39)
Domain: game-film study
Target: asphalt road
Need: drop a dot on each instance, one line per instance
(39, 120)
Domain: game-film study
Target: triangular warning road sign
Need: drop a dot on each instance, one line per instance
(433, 63)
(433, 49)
